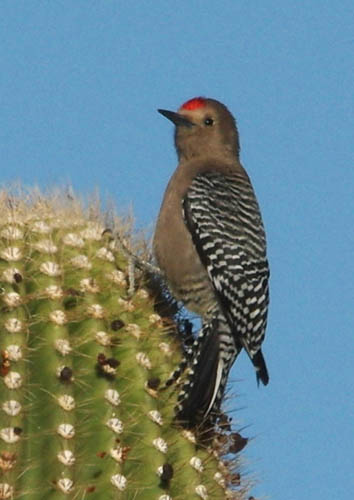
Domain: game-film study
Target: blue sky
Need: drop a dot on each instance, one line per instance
(80, 83)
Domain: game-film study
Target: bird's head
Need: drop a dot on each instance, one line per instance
(204, 127)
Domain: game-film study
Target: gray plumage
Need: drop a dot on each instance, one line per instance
(210, 244)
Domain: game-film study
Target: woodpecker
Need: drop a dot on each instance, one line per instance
(210, 245)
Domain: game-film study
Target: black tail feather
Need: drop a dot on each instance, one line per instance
(198, 391)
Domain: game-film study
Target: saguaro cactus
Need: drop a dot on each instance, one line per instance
(80, 413)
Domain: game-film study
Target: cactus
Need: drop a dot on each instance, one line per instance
(81, 416)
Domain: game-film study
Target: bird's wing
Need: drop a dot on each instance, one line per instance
(222, 215)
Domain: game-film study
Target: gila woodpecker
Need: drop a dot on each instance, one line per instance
(210, 245)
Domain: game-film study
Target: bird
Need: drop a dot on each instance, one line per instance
(210, 246)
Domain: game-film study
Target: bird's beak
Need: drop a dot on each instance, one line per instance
(176, 118)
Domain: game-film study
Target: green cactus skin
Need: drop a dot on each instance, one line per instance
(80, 416)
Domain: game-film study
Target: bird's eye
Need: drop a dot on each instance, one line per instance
(209, 122)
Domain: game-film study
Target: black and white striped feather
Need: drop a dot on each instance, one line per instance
(222, 215)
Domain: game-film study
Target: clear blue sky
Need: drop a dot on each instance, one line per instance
(80, 82)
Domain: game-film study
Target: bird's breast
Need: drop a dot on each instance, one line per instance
(177, 257)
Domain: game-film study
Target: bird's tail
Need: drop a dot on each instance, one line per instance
(201, 395)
